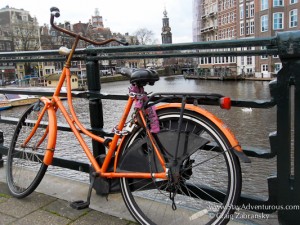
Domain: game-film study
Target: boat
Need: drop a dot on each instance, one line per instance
(216, 77)
(12, 100)
(19, 100)
(4, 102)
(215, 73)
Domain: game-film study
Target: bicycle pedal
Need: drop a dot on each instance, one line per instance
(80, 204)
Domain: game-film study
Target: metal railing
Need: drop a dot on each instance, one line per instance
(284, 188)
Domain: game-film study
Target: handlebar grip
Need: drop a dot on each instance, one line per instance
(55, 11)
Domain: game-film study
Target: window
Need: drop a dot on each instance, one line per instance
(24, 18)
(249, 70)
(251, 27)
(247, 28)
(277, 21)
(241, 11)
(277, 67)
(252, 10)
(232, 15)
(293, 1)
(263, 56)
(264, 4)
(242, 29)
(293, 18)
(264, 67)
(8, 46)
(264, 20)
(229, 33)
(277, 3)
(249, 60)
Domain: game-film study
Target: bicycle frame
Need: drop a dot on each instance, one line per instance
(51, 106)
(55, 103)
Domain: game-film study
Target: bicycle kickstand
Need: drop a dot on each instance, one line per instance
(80, 204)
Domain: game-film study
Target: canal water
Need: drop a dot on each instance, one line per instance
(251, 127)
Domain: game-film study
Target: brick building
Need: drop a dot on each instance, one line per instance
(243, 19)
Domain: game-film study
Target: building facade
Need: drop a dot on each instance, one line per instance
(243, 19)
(272, 17)
(7, 69)
(23, 31)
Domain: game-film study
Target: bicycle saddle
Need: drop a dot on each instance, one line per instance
(140, 77)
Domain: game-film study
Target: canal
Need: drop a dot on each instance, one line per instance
(251, 126)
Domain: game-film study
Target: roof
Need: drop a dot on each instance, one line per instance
(55, 76)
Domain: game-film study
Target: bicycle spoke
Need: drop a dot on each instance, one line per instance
(25, 165)
(200, 181)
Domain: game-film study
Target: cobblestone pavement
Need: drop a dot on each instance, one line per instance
(41, 209)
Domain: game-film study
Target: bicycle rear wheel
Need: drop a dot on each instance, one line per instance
(25, 167)
(209, 181)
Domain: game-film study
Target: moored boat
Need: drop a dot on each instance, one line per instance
(12, 100)
(19, 100)
(4, 102)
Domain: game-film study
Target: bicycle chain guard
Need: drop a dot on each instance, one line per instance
(136, 157)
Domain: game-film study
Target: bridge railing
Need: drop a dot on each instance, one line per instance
(284, 188)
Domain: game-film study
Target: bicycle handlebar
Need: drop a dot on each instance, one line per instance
(56, 13)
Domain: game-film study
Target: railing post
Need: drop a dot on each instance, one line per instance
(288, 148)
(95, 104)
(1, 143)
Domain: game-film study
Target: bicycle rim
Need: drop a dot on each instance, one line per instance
(25, 168)
(210, 181)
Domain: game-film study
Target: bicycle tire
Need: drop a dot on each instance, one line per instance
(154, 205)
(25, 168)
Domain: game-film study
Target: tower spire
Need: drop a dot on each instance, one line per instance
(166, 34)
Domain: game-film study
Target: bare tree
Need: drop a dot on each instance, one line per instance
(144, 36)
(25, 36)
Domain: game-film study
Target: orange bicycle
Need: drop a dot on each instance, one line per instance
(168, 157)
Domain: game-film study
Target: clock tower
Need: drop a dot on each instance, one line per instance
(97, 20)
(166, 35)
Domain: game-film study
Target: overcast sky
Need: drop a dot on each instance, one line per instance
(119, 15)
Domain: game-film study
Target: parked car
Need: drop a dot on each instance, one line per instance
(105, 72)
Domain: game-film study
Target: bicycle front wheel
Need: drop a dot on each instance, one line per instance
(207, 183)
(25, 167)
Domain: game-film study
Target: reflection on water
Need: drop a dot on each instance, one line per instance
(251, 128)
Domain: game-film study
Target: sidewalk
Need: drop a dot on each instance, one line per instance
(38, 209)
(50, 205)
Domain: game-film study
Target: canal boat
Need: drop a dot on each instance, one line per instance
(4, 102)
(12, 100)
